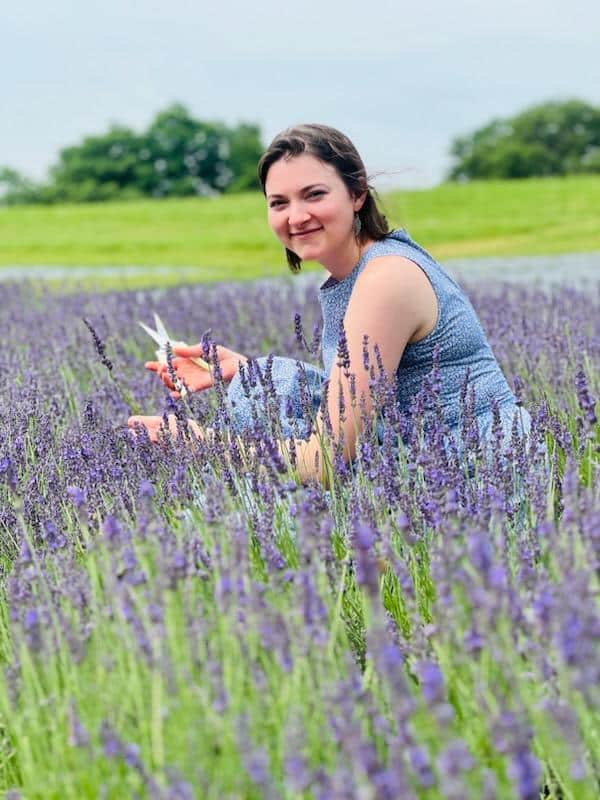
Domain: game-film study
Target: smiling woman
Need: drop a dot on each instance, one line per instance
(390, 312)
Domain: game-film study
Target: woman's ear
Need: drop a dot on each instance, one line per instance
(359, 200)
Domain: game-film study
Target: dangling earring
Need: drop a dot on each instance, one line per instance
(357, 225)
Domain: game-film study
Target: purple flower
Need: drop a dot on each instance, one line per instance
(481, 552)
(257, 766)
(297, 773)
(455, 758)
(299, 332)
(343, 354)
(421, 766)
(367, 572)
(584, 398)
(391, 656)
(113, 532)
(365, 353)
(32, 619)
(432, 682)
(131, 756)
(146, 489)
(99, 346)
(473, 641)
(78, 736)
(525, 771)
(77, 495)
(111, 744)
(52, 537)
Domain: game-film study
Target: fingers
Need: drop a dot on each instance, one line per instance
(163, 374)
(224, 352)
(159, 367)
(155, 425)
(162, 370)
(197, 351)
(146, 420)
(195, 429)
(151, 424)
(166, 379)
(195, 378)
(189, 351)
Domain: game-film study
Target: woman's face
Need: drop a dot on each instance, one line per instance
(310, 209)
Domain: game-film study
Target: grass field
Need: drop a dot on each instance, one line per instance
(228, 238)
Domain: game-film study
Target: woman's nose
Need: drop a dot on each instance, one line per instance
(297, 215)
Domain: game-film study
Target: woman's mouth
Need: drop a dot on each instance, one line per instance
(306, 233)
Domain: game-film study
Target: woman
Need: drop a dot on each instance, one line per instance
(381, 285)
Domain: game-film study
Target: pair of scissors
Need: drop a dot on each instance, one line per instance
(162, 338)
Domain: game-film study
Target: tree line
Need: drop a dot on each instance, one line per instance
(179, 156)
(555, 138)
(176, 156)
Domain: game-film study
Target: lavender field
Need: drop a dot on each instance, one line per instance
(185, 621)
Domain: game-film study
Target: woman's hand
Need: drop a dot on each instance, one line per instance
(194, 377)
(154, 425)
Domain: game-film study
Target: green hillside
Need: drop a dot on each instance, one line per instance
(228, 237)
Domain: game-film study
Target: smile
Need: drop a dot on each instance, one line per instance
(306, 233)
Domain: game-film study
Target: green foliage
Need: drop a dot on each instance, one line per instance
(177, 156)
(556, 138)
(14, 185)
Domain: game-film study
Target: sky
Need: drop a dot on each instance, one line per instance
(402, 79)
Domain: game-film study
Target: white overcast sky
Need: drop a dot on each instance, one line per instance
(402, 79)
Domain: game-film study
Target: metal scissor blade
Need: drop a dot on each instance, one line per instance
(160, 328)
(160, 340)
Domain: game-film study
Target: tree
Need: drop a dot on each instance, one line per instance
(100, 168)
(176, 156)
(555, 138)
(15, 187)
(243, 157)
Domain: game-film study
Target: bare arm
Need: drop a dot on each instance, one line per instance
(392, 303)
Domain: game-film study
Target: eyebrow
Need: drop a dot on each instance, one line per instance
(305, 189)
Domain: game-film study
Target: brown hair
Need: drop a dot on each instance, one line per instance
(332, 147)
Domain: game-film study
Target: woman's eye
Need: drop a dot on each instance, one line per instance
(311, 195)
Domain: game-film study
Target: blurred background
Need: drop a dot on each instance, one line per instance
(132, 103)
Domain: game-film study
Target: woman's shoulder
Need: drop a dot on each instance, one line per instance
(397, 242)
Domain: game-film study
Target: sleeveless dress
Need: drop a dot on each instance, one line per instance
(457, 337)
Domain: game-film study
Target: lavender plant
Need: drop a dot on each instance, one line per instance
(184, 622)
